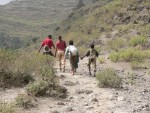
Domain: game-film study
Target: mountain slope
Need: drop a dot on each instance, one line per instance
(30, 18)
(107, 19)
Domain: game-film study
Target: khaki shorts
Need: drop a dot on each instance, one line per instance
(61, 56)
(93, 62)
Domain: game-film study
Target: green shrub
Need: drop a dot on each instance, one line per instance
(131, 78)
(114, 56)
(7, 58)
(116, 44)
(25, 101)
(139, 40)
(44, 88)
(17, 79)
(20, 68)
(130, 54)
(101, 59)
(40, 88)
(139, 65)
(109, 78)
(7, 108)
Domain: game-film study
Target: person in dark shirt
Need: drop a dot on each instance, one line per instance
(92, 54)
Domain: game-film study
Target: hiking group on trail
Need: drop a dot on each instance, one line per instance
(63, 52)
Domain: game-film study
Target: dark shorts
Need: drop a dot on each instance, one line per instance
(48, 53)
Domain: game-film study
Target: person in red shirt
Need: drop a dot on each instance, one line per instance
(47, 44)
(60, 51)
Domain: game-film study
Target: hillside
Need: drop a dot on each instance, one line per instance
(106, 20)
(31, 82)
(30, 19)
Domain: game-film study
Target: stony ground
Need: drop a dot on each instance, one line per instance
(84, 95)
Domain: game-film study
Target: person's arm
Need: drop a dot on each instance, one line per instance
(56, 49)
(53, 45)
(65, 44)
(87, 54)
(66, 53)
(41, 46)
(97, 54)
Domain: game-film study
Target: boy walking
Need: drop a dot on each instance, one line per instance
(72, 52)
(92, 54)
(47, 44)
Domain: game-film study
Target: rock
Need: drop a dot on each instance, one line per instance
(60, 103)
(120, 98)
(62, 77)
(69, 109)
(54, 112)
(126, 88)
(88, 91)
(94, 100)
(70, 98)
(89, 107)
(68, 83)
(112, 97)
(86, 104)
(62, 96)
(83, 91)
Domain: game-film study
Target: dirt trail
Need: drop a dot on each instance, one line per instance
(84, 96)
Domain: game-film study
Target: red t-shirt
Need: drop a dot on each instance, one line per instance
(48, 42)
(61, 45)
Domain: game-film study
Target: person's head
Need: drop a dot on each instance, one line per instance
(59, 38)
(50, 36)
(92, 46)
(71, 42)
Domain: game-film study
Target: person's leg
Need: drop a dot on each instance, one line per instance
(71, 63)
(74, 64)
(94, 62)
(63, 60)
(59, 59)
(89, 66)
(50, 53)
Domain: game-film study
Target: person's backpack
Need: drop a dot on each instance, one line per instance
(46, 49)
(73, 50)
(92, 54)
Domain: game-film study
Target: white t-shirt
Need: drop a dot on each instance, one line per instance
(71, 50)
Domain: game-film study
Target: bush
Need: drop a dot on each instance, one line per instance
(132, 78)
(139, 40)
(45, 88)
(39, 88)
(139, 65)
(109, 78)
(130, 54)
(7, 108)
(114, 56)
(19, 68)
(101, 59)
(17, 79)
(25, 101)
(116, 44)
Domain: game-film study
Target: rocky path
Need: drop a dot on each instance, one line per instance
(84, 96)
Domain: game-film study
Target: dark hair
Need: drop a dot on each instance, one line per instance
(92, 46)
(71, 42)
(59, 37)
(49, 36)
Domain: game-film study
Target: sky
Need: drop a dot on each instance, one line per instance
(3, 2)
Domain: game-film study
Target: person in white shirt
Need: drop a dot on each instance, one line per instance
(72, 53)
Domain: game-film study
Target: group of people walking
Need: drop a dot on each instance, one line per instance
(63, 52)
